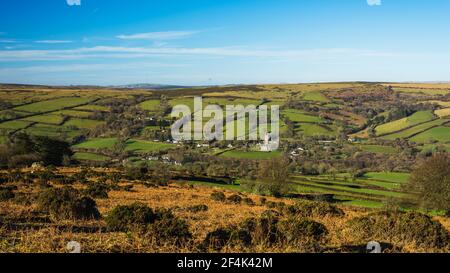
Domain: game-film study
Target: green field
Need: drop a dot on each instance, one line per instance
(315, 96)
(299, 116)
(251, 154)
(74, 114)
(440, 134)
(48, 119)
(90, 157)
(310, 130)
(150, 105)
(138, 146)
(389, 176)
(395, 126)
(378, 149)
(416, 129)
(14, 125)
(52, 131)
(83, 123)
(92, 108)
(443, 112)
(53, 105)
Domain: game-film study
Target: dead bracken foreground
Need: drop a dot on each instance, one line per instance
(41, 211)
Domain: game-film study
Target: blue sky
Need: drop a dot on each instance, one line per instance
(203, 42)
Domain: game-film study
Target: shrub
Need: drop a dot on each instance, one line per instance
(218, 196)
(170, 228)
(66, 203)
(98, 190)
(401, 229)
(222, 237)
(197, 208)
(6, 194)
(263, 231)
(297, 231)
(125, 218)
(248, 201)
(313, 209)
(236, 199)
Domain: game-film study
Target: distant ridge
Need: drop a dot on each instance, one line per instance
(151, 86)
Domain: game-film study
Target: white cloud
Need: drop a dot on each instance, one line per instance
(73, 2)
(54, 42)
(8, 41)
(111, 52)
(163, 35)
(374, 2)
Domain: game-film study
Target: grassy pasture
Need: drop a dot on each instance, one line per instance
(14, 125)
(310, 130)
(442, 112)
(90, 157)
(388, 176)
(416, 129)
(92, 108)
(315, 96)
(52, 131)
(150, 105)
(139, 146)
(440, 134)
(251, 154)
(142, 146)
(378, 149)
(47, 119)
(83, 123)
(394, 126)
(299, 116)
(9, 114)
(53, 105)
(73, 113)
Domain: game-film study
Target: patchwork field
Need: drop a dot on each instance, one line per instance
(415, 119)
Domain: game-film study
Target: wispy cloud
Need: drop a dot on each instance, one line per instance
(161, 36)
(54, 42)
(73, 2)
(8, 41)
(374, 2)
(106, 52)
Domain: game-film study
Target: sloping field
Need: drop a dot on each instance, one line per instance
(315, 96)
(442, 112)
(309, 129)
(416, 129)
(73, 113)
(83, 123)
(440, 134)
(150, 105)
(395, 126)
(300, 116)
(52, 131)
(47, 119)
(53, 105)
(14, 125)
(92, 108)
(139, 146)
(251, 155)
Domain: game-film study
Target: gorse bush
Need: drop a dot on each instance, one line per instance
(98, 190)
(218, 196)
(6, 194)
(163, 225)
(313, 209)
(67, 203)
(235, 199)
(400, 229)
(125, 218)
(297, 230)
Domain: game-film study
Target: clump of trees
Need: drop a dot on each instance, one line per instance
(23, 150)
(67, 203)
(430, 182)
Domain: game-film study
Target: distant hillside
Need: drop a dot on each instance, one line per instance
(151, 86)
